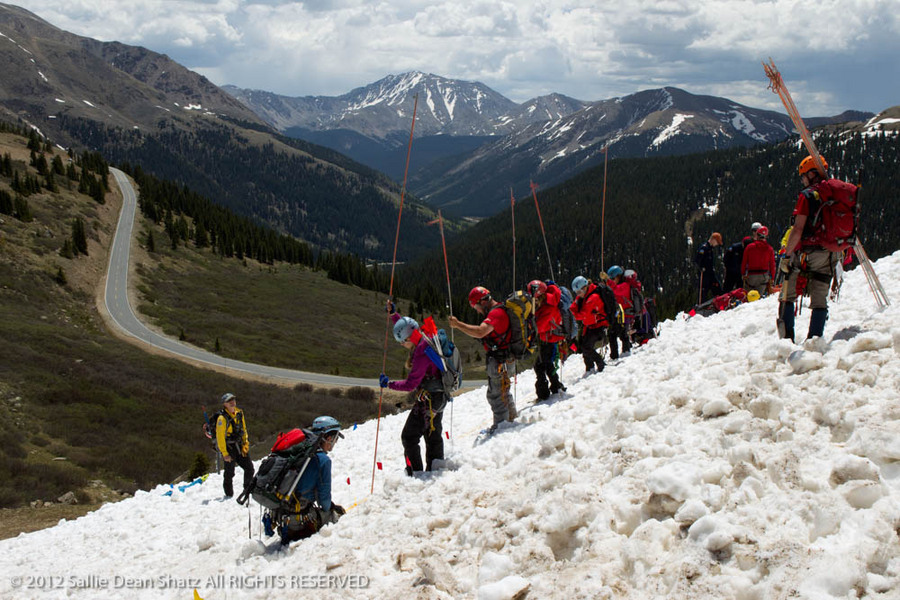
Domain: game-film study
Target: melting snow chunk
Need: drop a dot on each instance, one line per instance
(672, 130)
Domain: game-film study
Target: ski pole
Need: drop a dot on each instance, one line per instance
(603, 209)
(440, 221)
(391, 288)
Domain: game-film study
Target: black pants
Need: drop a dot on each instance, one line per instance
(589, 339)
(245, 463)
(733, 280)
(418, 425)
(616, 333)
(544, 369)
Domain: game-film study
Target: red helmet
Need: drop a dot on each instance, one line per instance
(537, 288)
(478, 294)
(762, 232)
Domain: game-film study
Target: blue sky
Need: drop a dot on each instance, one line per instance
(834, 55)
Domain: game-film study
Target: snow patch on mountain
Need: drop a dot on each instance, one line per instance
(672, 130)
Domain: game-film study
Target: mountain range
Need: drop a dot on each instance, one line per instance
(140, 107)
(476, 144)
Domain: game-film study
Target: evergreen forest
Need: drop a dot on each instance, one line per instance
(658, 211)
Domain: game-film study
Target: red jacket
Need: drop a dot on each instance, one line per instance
(759, 257)
(623, 295)
(500, 320)
(589, 309)
(548, 317)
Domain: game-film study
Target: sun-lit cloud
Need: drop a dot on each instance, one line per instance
(836, 54)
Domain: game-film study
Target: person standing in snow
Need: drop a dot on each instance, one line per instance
(758, 265)
(424, 377)
(589, 311)
(803, 255)
(550, 332)
(233, 442)
(705, 259)
(614, 316)
(733, 258)
(314, 487)
(493, 332)
(622, 291)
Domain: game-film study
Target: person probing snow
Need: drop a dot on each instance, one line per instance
(758, 264)
(424, 420)
(549, 327)
(493, 332)
(589, 310)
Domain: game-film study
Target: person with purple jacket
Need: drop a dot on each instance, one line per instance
(425, 379)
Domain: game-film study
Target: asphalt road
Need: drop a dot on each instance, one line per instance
(124, 317)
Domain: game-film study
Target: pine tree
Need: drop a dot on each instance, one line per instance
(151, 241)
(67, 251)
(61, 276)
(79, 237)
(21, 210)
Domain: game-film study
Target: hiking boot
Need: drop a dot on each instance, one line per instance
(556, 385)
(541, 389)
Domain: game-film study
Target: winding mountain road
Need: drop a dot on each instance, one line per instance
(123, 317)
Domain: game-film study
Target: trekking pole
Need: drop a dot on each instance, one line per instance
(700, 293)
(603, 209)
(541, 221)
(512, 211)
(391, 288)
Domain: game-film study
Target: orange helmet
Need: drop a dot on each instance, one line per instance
(808, 164)
(763, 232)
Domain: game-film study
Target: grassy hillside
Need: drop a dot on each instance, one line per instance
(281, 315)
(80, 405)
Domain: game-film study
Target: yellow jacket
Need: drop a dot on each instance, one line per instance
(225, 432)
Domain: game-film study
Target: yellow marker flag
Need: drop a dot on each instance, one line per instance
(197, 595)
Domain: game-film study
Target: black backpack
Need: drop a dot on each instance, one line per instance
(275, 482)
(237, 428)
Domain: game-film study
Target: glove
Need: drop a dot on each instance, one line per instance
(785, 265)
(383, 380)
(390, 307)
(338, 509)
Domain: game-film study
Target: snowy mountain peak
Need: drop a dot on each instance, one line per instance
(747, 468)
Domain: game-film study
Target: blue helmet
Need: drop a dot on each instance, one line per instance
(404, 328)
(578, 283)
(614, 271)
(324, 425)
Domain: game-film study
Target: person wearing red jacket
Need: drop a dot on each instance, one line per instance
(494, 334)
(758, 265)
(622, 290)
(548, 320)
(588, 310)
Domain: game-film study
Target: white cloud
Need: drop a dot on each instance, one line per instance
(835, 54)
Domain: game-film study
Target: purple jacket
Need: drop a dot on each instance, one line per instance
(422, 367)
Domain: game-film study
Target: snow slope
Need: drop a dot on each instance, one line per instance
(715, 462)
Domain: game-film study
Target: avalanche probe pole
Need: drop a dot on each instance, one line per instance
(512, 211)
(391, 288)
(541, 221)
(777, 85)
(440, 222)
(603, 209)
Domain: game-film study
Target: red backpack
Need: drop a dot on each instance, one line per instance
(833, 214)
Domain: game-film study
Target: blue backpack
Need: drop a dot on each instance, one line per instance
(568, 326)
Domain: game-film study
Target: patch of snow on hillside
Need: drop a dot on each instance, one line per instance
(701, 466)
(60, 100)
(193, 107)
(740, 122)
(672, 130)
(44, 77)
(89, 104)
